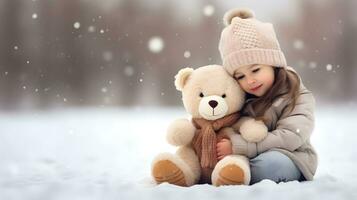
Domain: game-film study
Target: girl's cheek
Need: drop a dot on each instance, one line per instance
(243, 86)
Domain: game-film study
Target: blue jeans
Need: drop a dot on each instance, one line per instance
(274, 166)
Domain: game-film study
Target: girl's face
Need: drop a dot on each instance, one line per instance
(255, 79)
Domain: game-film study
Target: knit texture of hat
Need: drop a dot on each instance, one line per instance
(246, 41)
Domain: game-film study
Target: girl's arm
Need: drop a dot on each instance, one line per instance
(293, 130)
(239, 145)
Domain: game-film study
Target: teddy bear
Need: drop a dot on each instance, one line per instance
(213, 99)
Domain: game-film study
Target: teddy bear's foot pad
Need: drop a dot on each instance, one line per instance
(167, 171)
(230, 175)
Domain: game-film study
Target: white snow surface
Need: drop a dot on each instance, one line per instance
(106, 153)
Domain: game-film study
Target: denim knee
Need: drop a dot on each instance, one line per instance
(274, 166)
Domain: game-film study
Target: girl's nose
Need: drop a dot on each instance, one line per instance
(251, 80)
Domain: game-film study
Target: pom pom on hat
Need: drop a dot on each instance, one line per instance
(243, 13)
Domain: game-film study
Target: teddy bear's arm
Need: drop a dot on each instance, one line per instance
(251, 130)
(180, 132)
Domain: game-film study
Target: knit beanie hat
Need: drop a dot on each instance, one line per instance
(247, 41)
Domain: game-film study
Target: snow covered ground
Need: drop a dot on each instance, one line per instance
(105, 153)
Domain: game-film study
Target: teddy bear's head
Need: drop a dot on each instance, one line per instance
(209, 92)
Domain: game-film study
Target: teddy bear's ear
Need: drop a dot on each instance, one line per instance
(181, 78)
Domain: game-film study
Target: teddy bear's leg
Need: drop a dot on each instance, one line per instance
(180, 169)
(232, 170)
(188, 155)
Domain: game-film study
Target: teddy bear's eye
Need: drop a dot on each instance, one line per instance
(201, 94)
(224, 96)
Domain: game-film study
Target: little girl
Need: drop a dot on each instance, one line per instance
(275, 94)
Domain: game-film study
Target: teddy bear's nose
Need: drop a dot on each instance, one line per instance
(213, 103)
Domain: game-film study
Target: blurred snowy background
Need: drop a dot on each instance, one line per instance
(56, 54)
(86, 92)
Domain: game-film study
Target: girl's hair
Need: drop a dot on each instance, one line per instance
(286, 84)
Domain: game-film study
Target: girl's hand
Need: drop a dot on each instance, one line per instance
(224, 148)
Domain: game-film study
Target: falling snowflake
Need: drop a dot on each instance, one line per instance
(6, 73)
(129, 71)
(298, 130)
(187, 54)
(16, 47)
(64, 99)
(312, 65)
(101, 31)
(77, 25)
(141, 80)
(34, 16)
(104, 89)
(156, 44)
(91, 29)
(298, 44)
(108, 56)
(329, 67)
(28, 62)
(208, 10)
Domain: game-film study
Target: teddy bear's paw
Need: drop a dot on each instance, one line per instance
(232, 170)
(230, 175)
(171, 168)
(253, 130)
(180, 132)
(167, 171)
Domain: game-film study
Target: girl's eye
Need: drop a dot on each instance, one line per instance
(240, 77)
(256, 70)
(201, 94)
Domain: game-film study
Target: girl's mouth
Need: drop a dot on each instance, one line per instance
(256, 88)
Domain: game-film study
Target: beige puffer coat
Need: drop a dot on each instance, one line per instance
(289, 133)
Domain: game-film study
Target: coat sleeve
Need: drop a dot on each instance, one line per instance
(294, 128)
(239, 145)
